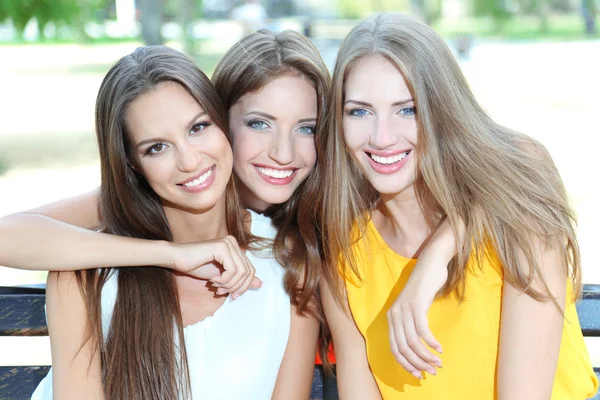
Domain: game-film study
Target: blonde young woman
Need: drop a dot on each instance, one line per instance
(411, 147)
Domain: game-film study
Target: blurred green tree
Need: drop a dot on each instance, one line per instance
(499, 10)
(74, 13)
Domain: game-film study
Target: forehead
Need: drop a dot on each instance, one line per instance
(164, 110)
(285, 91)
(376, 76)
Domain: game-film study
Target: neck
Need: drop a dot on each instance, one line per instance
(250, 201)
(192, 226)
(403, 222)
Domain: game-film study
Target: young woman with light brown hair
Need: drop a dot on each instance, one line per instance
(410, 147)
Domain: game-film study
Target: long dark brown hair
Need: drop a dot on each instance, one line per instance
(144, 354)
(247, 67)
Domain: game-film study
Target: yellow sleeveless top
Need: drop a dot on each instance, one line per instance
(468, 332)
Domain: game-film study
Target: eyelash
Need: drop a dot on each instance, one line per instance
(312, 130)
(151, 153)
(197, 127)
(253, 124)
(405, 112)
(201, 126)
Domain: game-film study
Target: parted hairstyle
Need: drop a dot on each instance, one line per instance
(247, 67)
(144, 355)
(501, 184)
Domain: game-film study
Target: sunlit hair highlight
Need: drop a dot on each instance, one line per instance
(501, 184)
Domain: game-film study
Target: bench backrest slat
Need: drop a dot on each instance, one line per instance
(22, 315)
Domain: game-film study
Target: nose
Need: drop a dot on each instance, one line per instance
(282, 148)
(383, 134)
(188, 158)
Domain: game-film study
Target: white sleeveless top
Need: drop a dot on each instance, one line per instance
(237, 352)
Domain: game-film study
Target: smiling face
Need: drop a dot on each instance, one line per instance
(380, 127)
(273, 133)
(185, 158)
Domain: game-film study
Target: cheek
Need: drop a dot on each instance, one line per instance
(247, 145)
(307, 151)
(156, 170)
(242, 151)
(354, 135)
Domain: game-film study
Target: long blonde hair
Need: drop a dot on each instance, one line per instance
(502, 184)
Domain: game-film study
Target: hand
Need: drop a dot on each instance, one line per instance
(220, 261)
(407, 318)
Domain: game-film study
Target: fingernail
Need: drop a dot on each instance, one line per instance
(234, 296)
(417, 375)
(438, 364)
(221, 291)
(432, 371)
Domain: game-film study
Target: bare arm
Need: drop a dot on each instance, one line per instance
(407, 318)
(530, 334)
(60, 237)
(295, 376)
(354, 377)
(76, 370)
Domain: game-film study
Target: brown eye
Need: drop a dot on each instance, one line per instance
(199, 127)
(156, 149)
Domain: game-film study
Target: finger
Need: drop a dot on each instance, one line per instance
(393, 335)
(235, 271)
(422, 326)
(409, 344)
(256, 282)
(237, 280)
(250, 279)
(425, 357)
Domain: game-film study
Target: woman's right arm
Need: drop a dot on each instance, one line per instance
(76, 370)
(60, 237)
(354, 377)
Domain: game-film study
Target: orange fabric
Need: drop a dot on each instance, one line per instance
(330, 356)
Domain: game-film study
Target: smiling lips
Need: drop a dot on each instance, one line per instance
(388, 163)
(200, 181)
(276, 176)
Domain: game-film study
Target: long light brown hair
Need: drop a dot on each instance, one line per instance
(502, 184)
(144, 354)
(247, 67)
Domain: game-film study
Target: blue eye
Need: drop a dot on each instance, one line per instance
(358, 112)
(257, 124)
(408, 111)
(156, 148)
(199, 127)
(307, 130)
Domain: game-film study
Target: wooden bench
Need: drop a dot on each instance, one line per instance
(22, 314)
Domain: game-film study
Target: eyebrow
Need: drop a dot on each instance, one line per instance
(262, 114)
(188, 126)
(395, 104)
(271, 117)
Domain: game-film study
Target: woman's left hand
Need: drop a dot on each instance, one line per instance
(407, 318)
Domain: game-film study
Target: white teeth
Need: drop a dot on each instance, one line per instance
(388, 160)
(200, 180)
(276, 173)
